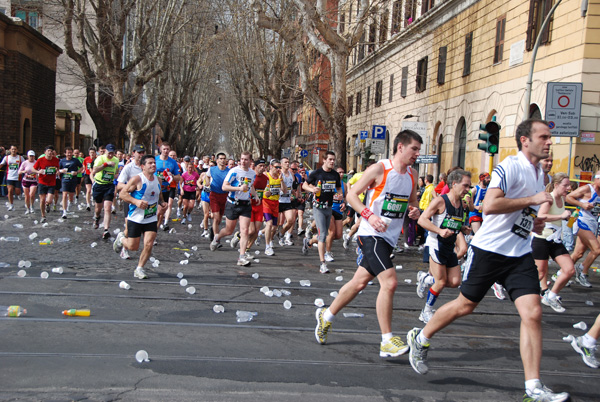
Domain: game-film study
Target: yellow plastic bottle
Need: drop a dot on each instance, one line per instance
(319, 187)
(77, 313)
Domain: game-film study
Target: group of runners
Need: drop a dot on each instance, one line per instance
(516, 217)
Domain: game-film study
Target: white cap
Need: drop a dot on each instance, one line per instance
(30, 153)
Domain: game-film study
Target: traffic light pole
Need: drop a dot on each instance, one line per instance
(491, 166)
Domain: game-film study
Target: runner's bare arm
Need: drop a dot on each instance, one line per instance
(496, 203)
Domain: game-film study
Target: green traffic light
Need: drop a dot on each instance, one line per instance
(493, 149)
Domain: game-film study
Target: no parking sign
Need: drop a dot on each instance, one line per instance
(563, 108)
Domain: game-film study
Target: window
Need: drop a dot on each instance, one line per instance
(383, 27)
(350, 105)
(410, 12)
(468, 49)
(421, 75)
(391, 97)
(396, 16)
(461, 144)
(372, 34)
(404, 85)
(361, 47)
(499, 46)
(426, 6)
(358, 102)
(378, 93)
(342, 22)
(368, 99)
(441, 77)
(350, 15)
(538, 10)
(32, 17)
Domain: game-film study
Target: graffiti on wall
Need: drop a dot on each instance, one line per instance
(587, 163)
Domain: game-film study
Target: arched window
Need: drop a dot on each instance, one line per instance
(460, 143)
(440, 145)
(534, 112)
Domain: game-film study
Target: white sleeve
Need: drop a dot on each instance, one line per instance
(124, 175)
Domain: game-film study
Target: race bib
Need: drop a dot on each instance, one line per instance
(51, 170)
(150, 211)
(452, 223)
(595, 211)
(275, 190)
(394, 206)
(67, 176)
(524, 223)
(260, 193)
(30, 177)
(328, 187)
(13, 166)
(107, 176)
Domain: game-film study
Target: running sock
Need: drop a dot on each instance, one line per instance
(432, 296)
(328, 315)
(422, 340)
(430, 280)
(588, 341)
(386, 337)
(551, 295)
(530, 385)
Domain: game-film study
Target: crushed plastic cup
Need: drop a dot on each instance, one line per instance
(227, 241)
(21, 273)
(124, 285)
(190, 226)
(339, 271)
(152, 259)
(172, 231)
(155, 264)
(180, 275)
(44, 275)
(256, 261)
(589, 302)
(257, 252)
(4, 265)
(264, 289)
(18, 226)
(77, 229)
(245, 316)
(319, 302)
(181, 243)
(255, 276)
(35, 222)
(94, 244)
(142, 356)
(191, 290)
(287, 304)
(568, 338)
(333, 294)
(117, 231)
(24, 264)
(21, 264)
(305, 282)
(408, 280)
(287, 280)
(184, 262)
(277, 293)
(580, 325)
(33, 236)
(354, 315)
(60, 220)
(5, 216)
(187, 255)
(269, 293)
(195, 248)
(58, 270)
(183, 282)
(217, 308)
(398, 267)
(45, 225)
(285, 292)
(63, 239)
(339, 278)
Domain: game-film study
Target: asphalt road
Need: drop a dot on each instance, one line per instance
(196, 354)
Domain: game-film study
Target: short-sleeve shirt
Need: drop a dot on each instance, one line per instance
(12, 163)
(238, 176)
(169, 165)
(128, 172)
(260, 182)
(72, 165)
(51, 167)
(190, 180)
(108, 174)
(504, 233)
(88, 164)
(330, 181)
(217, 177)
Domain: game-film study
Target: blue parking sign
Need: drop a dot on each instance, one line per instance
(364, 135)
(378, 132)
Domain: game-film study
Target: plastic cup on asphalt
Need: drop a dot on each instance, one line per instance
(179, 274)
(22, 273)
(287, 304)
(44, 275)
(58, 270)
(142, 356)
(183, 282)
(124, 285)
(218, 308)
(191, 290)
(255, 275)
(319, 302)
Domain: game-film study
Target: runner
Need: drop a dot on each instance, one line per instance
(168, 171)
(587, 200)
(287, 199)
(46, 169)
(270, 203)
(238, 182)
(29, 182)
(189, 183)
(501, 251)
(218, 197)
(205, 201)
(443, 219)
(476, 217)
(337, 217)
(586, 345)
(392, 195)
(323, 183)
(78, 155)
(88, 177)
(12, 161)
(549, 243)
(103, 191)
(143, 193)
(69, 168)
(257, 218)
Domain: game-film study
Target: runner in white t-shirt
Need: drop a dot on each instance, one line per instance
(12, 162)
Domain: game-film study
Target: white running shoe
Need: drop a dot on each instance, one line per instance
(205, 233)
(11, 207)
(329, 256)
(421, 284)
(346, 241)
(498, 291)
(242, 261)
(554, 303)
(139, 273)
(269, 251)
(323, 268)
(124, 254)
(426, 315)
(189, 218)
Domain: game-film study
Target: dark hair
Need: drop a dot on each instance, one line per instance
(524, 130)
(405, 137)
(329, 153)
(68, 149)
(92, 149)
(49, 147)
(429, 178)
(145, 158)
(456, 176)
(221, 153)
(285, 157)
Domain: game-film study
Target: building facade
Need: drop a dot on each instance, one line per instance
(453, 65)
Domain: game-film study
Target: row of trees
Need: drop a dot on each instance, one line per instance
(147, 64)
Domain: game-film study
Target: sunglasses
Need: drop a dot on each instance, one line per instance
(295, 170)
(277, 167)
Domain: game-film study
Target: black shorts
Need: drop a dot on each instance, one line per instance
(233, 211)
(135, 229)
(170, 193)
(77, 180)
(189, 195)
(15, 183)
(299, 205)
(68, 186)
(43, 189)
(58, 185)
(375, 253)
(444, 255)
(87, 180)
(103, 192)
(542, 249)
(126, 209)
(337, 216)
(518, 275)
(285, 206)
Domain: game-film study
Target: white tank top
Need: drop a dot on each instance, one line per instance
(389, 199)
(150, 192)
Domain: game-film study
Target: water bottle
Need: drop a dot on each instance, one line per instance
(10, 238)
(76, 313)
(12, 311)
(573, 218)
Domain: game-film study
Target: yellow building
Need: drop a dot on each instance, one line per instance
(453, 65)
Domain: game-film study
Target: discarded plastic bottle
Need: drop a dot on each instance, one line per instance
(12, 311)
(46, 242)
(10, 238)
(354, 315)
(33, 236)
(76, 313)
(18, 226)
(63, 239)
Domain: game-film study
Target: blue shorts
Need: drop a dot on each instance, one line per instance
(205, 196)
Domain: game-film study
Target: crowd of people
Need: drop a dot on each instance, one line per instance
(499, 234)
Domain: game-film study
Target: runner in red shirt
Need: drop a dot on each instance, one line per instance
(88, 180)
(46, 168)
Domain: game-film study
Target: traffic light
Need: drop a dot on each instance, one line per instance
(490, 137)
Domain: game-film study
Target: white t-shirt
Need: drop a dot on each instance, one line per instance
(508, 234)
(130, 170)
(12, 166)
(236, 177)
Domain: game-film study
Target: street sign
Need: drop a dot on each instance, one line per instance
(418, 127)
(303, 153)
(315, 151)
(378, 133)
(363, 136)
(377, 146)
(425, 159)
(563, 108)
